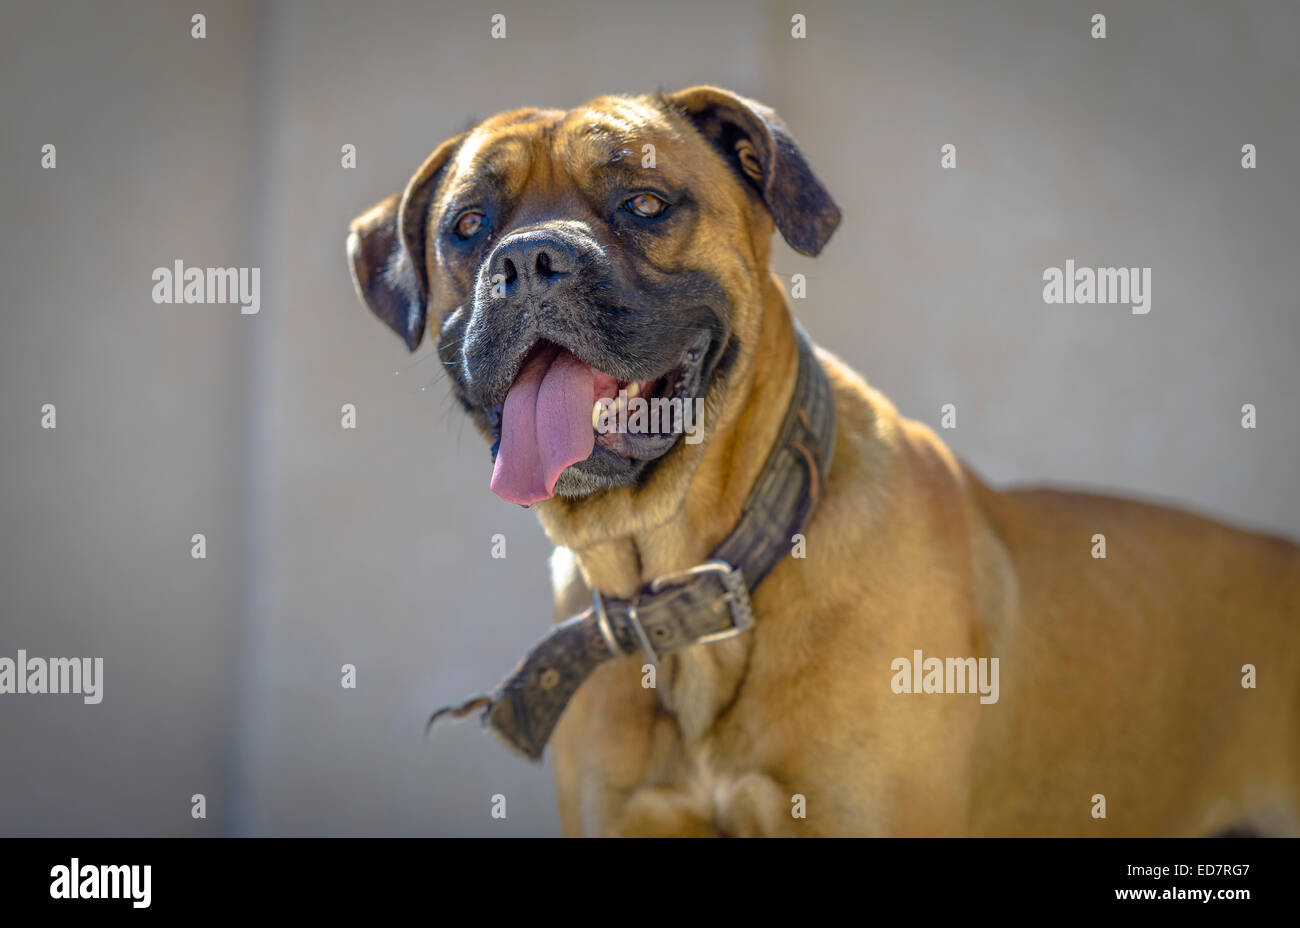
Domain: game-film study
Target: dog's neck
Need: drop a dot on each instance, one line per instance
(619, 545)
(748, 488)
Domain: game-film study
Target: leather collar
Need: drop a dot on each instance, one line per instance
(701, 605)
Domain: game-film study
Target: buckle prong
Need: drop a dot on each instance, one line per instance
(607, 630)
(602, 622)
(640, 633)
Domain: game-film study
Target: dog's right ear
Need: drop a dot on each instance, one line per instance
(386, 251)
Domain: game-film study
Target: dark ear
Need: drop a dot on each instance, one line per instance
(758, 146)
(386, 248)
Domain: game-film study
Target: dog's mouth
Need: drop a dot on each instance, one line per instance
(562, 412)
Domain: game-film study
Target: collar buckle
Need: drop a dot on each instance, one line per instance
(736, 596)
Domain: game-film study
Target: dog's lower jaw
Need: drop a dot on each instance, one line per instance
(713, 474)
(575, 483)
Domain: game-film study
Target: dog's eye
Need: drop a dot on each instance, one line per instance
(646, 204)
(468, 225)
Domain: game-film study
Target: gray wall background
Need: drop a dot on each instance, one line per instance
(371, 546)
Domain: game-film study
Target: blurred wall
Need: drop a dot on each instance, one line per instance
(371, 546)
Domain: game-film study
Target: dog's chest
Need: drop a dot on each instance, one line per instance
(723, 788)
(700, 683)
(736, 802)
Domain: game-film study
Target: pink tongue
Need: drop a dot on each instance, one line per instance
(545, 426)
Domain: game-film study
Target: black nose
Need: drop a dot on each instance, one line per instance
(532, 262)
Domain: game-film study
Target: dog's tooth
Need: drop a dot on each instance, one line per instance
(595, 413)
(634, 388)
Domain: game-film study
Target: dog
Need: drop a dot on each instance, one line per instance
(573, 261)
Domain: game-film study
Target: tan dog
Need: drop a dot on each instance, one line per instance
(604, 245)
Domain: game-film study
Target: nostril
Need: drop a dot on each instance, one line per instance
(508, 269)
(544, 264)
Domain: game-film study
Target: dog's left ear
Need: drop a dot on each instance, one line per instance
(758, 146)
(386, 248)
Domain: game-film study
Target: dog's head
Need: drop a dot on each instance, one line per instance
(565, 258)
